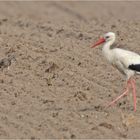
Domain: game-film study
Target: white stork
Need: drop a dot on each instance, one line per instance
(127, 62)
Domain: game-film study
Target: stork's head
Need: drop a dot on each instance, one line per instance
(108, 37)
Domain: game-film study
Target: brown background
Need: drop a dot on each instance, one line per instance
(59, 85)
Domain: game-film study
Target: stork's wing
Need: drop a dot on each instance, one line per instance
(128, 59)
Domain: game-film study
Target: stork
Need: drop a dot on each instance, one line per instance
(127, 62)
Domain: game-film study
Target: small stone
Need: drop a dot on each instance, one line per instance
(82, 116)
(94, 128)
(106, 125)
(16, 94)
(49, 34)
(1, 81)
(19, 116)
(13, 103)
(59, 31)
(47, 101)
(55, 114)
(72, 136)
(79, 63)
(32, 137)
(80, 35)
(113, 26)
(5, 19)
(64, 129)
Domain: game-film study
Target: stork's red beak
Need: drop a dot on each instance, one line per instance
(100, 41)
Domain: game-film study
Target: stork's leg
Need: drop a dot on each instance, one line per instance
(123, 94)
(134, 92)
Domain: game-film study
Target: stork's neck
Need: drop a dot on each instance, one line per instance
(107, 51)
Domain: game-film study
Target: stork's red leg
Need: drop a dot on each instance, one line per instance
(134, 92)
(123, 94)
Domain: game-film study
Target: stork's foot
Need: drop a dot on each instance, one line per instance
(131, 83)
(119, 97)
(122, 95)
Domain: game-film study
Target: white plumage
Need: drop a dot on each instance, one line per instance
(125, 61)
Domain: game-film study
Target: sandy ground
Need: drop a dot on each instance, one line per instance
(58, 86)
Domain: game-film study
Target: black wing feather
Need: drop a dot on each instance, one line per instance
(135, 67)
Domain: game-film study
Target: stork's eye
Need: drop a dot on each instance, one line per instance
(107, 36)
